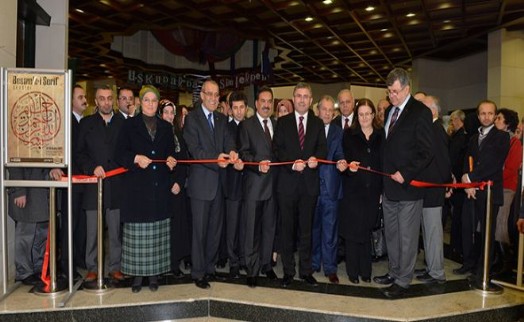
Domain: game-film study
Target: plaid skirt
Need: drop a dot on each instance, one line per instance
(146, 248)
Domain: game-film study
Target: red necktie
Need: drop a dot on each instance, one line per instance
(346, 123)
(301, 136)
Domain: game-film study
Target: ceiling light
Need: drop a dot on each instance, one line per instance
(384, 29)
(411, 14)
(79, 10)
(370, 8)
(335, 42)
(327, 2)
(446, 21)
(103, 65)
(334, 76)
(308, 19)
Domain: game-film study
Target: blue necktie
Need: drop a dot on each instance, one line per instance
(210, 121)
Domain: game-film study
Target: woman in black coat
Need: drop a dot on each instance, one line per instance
(359, 206)
(146, 148)
(180, 225)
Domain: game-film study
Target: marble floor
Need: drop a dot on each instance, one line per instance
(181, 300)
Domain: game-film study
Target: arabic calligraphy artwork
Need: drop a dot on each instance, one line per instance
(35, 117)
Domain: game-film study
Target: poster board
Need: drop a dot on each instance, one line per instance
(36, 114)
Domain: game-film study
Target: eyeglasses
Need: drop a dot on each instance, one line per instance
(362, 115)
(210, 94)
(394, 92)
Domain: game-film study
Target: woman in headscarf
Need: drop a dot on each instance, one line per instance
(146, 148)
(180, 224)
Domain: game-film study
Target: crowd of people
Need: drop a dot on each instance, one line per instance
(234, 204)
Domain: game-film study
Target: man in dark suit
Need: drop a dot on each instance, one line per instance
(78, 106)
(438, 171)
(406, 153)
(487, 149)
(126, 103)
(207, 137)
(325, 223)
(299, 137)
(234, 217)
(255, 140)
(346, 105)
(95, 153)
(457, 150)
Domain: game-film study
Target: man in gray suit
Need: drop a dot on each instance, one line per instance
(407, 152)
(256, 145)
(207, 137)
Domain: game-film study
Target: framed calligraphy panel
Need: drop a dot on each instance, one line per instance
(36, 115)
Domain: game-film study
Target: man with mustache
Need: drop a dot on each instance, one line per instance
(95, 153)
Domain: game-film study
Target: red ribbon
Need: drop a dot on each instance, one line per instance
(43, 276)
(415, 183)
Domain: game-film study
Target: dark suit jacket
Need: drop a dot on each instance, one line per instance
(201, 143)
(97, 146)
(233, 176)
(255, 147)
(457, 151)
(408, 149)
(439, 169)
(488, 160)
(287, 148)
(329, 173)
(147, 191)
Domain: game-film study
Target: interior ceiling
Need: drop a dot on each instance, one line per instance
(344, 41)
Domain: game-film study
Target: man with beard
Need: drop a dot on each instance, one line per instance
(95, 153)
(487, 149)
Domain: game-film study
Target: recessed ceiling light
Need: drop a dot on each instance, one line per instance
(327, 2)
(370, 8)
(334, 76)
(384, 29)
(308, 19)
(335, 42)
(79, 10)
(411, 14)
(447, 21)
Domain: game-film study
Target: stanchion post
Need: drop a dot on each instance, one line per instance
(485, 286)
(100, 286)
(100, 233)
(54, 288)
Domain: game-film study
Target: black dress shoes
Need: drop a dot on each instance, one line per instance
(462, 270)
(137, 284)
(354, 280)
(428, 279)
(31, 280)
(271, 274)
(309, 279)
(366, 279)
(384, 279)
(153, 283)
(202, 283)
(234, 272)
(394, 291)
(251, 281)
(286, 280)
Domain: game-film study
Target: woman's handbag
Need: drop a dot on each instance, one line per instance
(378, 239)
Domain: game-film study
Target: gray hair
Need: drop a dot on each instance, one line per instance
(399, 74)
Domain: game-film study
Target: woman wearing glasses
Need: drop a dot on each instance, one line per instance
(362, 189)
